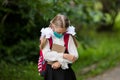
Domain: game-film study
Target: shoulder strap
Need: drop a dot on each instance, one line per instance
(50, 42)
(41, 54)
(66, 39)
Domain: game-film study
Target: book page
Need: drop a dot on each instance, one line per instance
(58, 48)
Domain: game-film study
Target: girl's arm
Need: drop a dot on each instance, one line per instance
(51, 55)
(73, 54)
(54, 56)
(66, 58)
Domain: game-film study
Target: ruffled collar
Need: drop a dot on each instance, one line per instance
(48, 32)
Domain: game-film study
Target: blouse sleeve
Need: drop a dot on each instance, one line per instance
(72, 47)
(51, 55)
(54, 56)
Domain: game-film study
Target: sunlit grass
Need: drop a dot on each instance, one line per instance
(105, 54)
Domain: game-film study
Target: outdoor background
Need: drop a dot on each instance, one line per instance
(97, 25)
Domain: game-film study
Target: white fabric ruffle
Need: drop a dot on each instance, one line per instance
(48, 32)
(71, 30)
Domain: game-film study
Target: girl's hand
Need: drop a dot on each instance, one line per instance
(69, 57)
(56, 65)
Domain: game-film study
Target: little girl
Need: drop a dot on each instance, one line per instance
(59, 64)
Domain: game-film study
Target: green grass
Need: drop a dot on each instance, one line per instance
(18, 71)
(104, 52)
(102, 49)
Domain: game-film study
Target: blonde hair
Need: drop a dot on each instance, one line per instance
(59, 21)
(43, 42)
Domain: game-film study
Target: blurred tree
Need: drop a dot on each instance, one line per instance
(21, 20)
(18, 21)
(111, 8)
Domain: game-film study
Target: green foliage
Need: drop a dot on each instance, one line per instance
(104, 53)
(18, 72)
(117, 22)
(22, 20)
(24, 51)
(111, 8)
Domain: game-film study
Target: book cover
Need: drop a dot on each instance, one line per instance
(58, 48)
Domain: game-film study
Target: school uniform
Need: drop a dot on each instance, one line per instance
(65, 72)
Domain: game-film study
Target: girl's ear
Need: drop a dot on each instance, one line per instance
(52, 26)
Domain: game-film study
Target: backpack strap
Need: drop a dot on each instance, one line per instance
(41, 54)
(66, 39)
(50, 42)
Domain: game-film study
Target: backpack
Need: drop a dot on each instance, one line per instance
(41, 62)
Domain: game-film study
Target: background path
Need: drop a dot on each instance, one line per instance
(113, 74)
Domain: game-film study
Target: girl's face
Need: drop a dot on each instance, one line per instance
(59, 30)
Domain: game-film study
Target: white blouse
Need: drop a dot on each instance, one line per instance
(55, 56)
